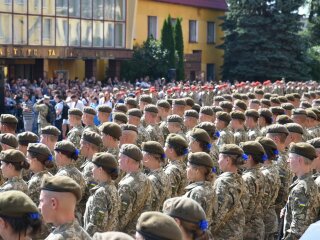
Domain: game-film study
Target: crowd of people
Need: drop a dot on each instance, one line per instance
(162, 160)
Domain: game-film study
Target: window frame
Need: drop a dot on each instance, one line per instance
(213, 41)
(196, 31)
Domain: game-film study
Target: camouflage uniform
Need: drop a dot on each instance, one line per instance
(143, 135)
(226, 137)
(135, 194)
(254, 182)
(34, 185)
(15, 183)
(43, 110)
(155, 134)
(306, 135)
(69, 231)
(203, 193)
(214, 153)
(240, 135)
(86, 171)
(92, 128)
(229, 219)
(114, 151)
(164, 128)
(271, 188)
(302, 208)
(102, 209)
(176, 171)
(313, 132)
(254, 133)
(161, 189)
(74, 135)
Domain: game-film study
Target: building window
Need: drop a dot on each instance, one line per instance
(210, 72)
(86, 33)
(62, 7)
(108, 34)
(20, 6)
(98, 9)
(109, 10)
(193, 31)
(6, 5)
(74, 32)
(35, 6)
(62, 29)
(5, 31)
(211, 32)
(97, 39)
(86, 9)
(152, 26)
(34, 30)
(20, 29)
(119, 35)
(48, 7)
(48, 29)
(173, 22)
(120, 10)
(74, 8)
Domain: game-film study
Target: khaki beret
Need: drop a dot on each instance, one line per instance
(12, 156)
(121, 107)
(299, 111)
(191, 113)
(176, 140)
(259, 91)
(153, 147)
(151, 108)
(236, 96)
(104, 108)
(240, 104)
(267, 96)
(305, 105)
(129, 127)
(51, 130)
(266, 102)
(201, 159)
(224, 116)
(25, 138)
(112, 236)
(145, 98)
(277, 128)
(316, 111)
(210, 128)
(297, 95)
(174, 119)
(62, 184)
(218, 99)
(180, 102)
(112, 129)
(283, 99)
(264, 112)
(206, 110)
(275, 100)
(227, 97)
(217, 109)
(189, 101)
(252, 113)
(287, 106)
(163, 104)
(251, 96)
(315, 142)
(311, 114)
(65, 146)
(283, 119)
(254, 149)
(231, 149)
(157, 225)
(8, 118)
(303, 149)
(131, 101)
(17, 204)
(9, 139)
(90, 110)
(238, 115)
(120, 117)
(92, 137)
(277, 110)
(75, 111)
(244, 97)
(270, 147)
(39, 149)
(196, 107)
(290, 97)
(131, 151)
(135, 112)
(294, 128)
(105, 160)
(226, 105)
(200, 135)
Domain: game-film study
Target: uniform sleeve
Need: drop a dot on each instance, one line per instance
(175, 179)
(127, 198)
(199, 198)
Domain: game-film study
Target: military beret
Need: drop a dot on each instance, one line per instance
(9, 139)
(129, 127)
(163, 104)
(210, 128)
(201, 159)
(12, 156)
(153, 147)
(40, 149)
(145, 98)
(180, 102)
(303, 149)
(217, 109)
(104, 108)
(311, 114)
(131, 151)
(287, 106)
(121, 107)
(259, 91)
(299, 111)
(315, 142)
(283, 99)
(240, 104)
(112, 129)
(267, 96)
(226, 105)
(264, 112)
(277, 110)
(251, 96)
(157, 225)
(316, 111)
(105, 160)
(75, 111)
(244, 97)
(270, 147)
(294, 128)
(283, 119)
(184, 208)
(238, 115)
(131, 101)
(189, 101)
(135, 112)
(290, 97)
(8, 118)
(254, 149)
(196, 107)
(266, 102)
(277, 128)
(316, 102)
(191, 113)
(252, 113)
(313, 94)
(231, 149)
(305, 105)
(227, 97)
(236, 96)
(151, 108)
(306, 95)
(62, 184)
(120, 117)
(176, 140)
(89, 110)
(275, 100)
(17, 204)
(200, 135)
(223, 116)
(25, 138)
(174, 119)
(51, 130)
(206, 110)
(111, 236)
(92, 137)
(65, 146)
(256, 101)
(296, 95)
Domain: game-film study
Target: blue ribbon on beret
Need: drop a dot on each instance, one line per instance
(203, 224)
(244, 157)
(50, 158)
(209, 146)
(264, 157)
(276, 152)
(185, 151)
(34, 215)
(163, 156)
(214, 169)
(217, 134)
(77, 152)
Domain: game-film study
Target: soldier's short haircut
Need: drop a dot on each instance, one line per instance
(282, 136)
(11, 126)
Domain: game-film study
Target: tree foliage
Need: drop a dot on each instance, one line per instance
(167, 41)
(179, 46)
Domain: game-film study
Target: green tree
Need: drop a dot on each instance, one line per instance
(167, 41)
(180, 49)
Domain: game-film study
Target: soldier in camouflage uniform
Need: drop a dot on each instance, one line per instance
(134, 117)
(190, 120)
(144, 100)
(175, 125)
(302, 208)
(237, 125)
(43, 109)
(129, 134)
(176, 149)
(58, 197)
(102, 208)
(74, 135)
(111, 133)
(153, 160)
(265, 120)
(316, 163)
(299, 116)
(12, 173)
(150, 114)
(254, 184)
(103, 113)
(206, 114)
(164, 108)
(222, 121)
(251, 123)
(88, 120)
(134, 189)
(200, 176)
(228, 220)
